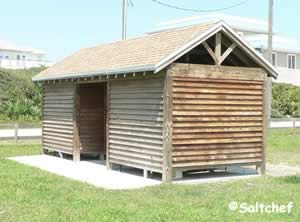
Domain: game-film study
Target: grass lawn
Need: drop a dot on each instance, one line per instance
(3, 121)
(30, 194)
(284, 146)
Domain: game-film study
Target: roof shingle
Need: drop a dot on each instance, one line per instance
(143, 51)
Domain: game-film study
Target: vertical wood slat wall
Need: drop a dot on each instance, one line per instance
(58, 125)
(135, 115)
(217, 116)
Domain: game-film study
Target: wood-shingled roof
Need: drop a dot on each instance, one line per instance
(137, 54)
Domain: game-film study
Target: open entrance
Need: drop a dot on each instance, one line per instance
(92, 118)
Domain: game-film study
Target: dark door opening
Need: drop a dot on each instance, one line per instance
(92, 118)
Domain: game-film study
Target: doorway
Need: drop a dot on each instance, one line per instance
(92, 118)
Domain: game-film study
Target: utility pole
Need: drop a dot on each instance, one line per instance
(270, 31)
(124, 19)
(270, 45)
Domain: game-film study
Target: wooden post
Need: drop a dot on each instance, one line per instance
(16, 126)
(146, 173)
(76, 140)
(168, 128)
(108, 164)
(210, 52)
(266, 107)
(227, 53)
(294, 123)
(218, 50)
(42, 111)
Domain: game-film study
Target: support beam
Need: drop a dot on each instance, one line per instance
(218, 48)
(76, 140)
(108, 164)
(242, 58)
(217, 54)
(266, 95)
(227, 53)
(146, 173)
(168, 128)
(211, 52)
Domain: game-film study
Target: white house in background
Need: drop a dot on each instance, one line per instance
(286, 50)
(16, 57)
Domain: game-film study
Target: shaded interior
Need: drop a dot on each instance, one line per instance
(92, 117)
(199, 55)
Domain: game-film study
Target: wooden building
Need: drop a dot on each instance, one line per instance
(175, 100)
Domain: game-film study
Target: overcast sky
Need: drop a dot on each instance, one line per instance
(61, 27)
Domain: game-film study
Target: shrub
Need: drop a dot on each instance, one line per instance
(20, 98)
(285, 100)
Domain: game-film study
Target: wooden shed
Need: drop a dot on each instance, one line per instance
(180, 99)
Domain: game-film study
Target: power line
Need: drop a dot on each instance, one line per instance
(200, 10)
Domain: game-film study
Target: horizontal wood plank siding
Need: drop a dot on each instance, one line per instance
(135, 116)
(58, 102)
(217, 115)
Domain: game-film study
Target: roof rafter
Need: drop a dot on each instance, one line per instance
(210, 51)
(227, 53)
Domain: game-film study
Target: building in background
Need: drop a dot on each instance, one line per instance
(286, 50)
(16, 57)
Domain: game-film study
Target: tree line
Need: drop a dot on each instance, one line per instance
(20, 98)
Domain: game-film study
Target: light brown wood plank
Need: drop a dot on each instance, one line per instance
(216, 91)
(217, 124)
(213, 163)
(214, 152)
(217, 113)
(178, 79)
(216, 102)
(218, 146)
(185, 95)
(216, 118)
(216, 135)
(216, 130)
(215, 141)
(217, 157)
(215, 85)
(217, 107)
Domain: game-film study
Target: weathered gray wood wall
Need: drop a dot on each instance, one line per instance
(217, 116)
(58, 125)
(135, 116)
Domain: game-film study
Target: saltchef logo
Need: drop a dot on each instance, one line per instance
(260, 207)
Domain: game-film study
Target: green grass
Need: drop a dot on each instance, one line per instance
(30, 194)
(4, 121)
(284, 146)
(11, 150)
